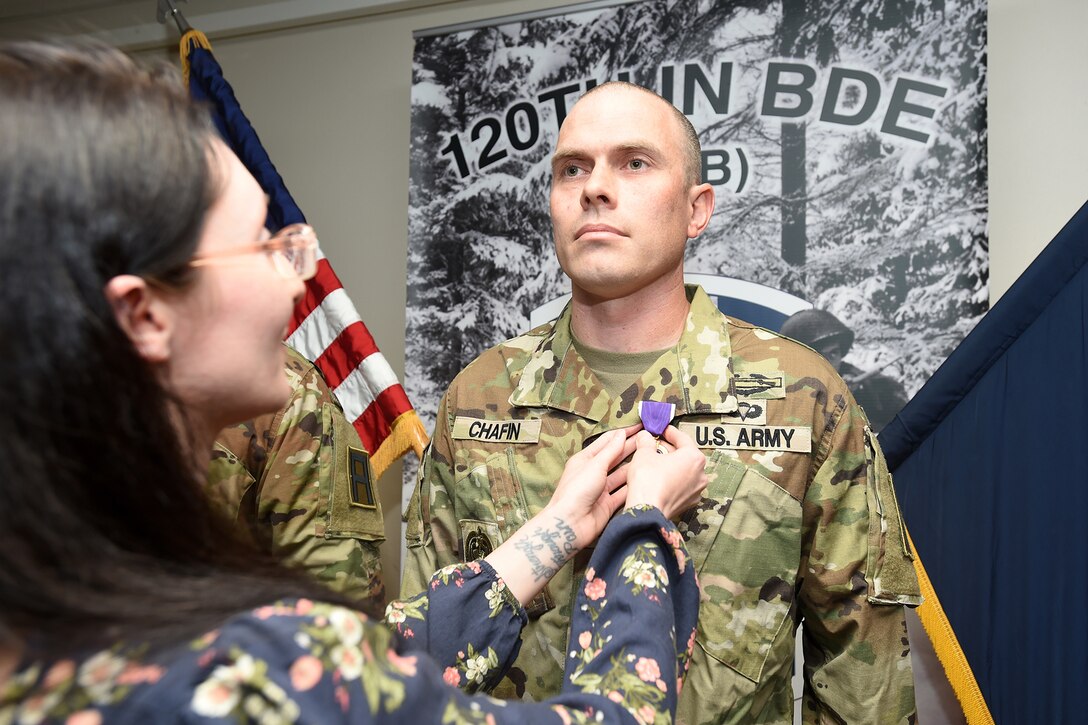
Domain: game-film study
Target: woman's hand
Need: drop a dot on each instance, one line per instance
(585, 498)
(672, 480)
(587, 495)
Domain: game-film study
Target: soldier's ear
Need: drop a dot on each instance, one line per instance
(143, 314)
(702, 207)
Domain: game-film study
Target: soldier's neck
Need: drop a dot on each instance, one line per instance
(651, 318)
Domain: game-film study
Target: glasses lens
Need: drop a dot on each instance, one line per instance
(306, 263)
(284, 265)
(299, 250)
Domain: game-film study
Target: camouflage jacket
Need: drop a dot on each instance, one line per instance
(301, 482)
(799, 522)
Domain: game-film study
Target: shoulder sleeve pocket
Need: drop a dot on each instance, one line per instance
(413, 517)
(355, 510)
(890, 567)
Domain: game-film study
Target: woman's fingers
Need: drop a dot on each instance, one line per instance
(610, 447)
(678, 438)
(616, 500)
(644, 441)
(599, 445)
(617, 478)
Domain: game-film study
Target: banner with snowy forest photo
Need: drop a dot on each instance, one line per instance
(846, 140)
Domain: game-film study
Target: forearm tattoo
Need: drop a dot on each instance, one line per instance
(547, 548)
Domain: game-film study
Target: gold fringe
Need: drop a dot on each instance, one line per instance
(948, 649)
(191, 39)
(406, 433)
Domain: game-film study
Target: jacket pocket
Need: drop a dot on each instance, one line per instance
(745, 540)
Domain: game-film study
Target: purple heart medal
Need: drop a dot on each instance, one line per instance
(655, 417)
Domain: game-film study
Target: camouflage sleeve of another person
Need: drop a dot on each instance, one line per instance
(858, 574)
(431, 528)
(316, 499)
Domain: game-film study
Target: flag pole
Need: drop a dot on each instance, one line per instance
(166, 8)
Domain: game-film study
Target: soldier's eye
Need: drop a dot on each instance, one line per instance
(637, 164)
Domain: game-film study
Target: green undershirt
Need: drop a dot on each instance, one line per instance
(617, 371)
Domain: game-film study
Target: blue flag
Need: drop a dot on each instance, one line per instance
(206, 83)
(991, 470)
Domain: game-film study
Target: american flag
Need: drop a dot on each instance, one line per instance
(325, 328)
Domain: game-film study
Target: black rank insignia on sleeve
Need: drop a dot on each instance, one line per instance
(361, 479)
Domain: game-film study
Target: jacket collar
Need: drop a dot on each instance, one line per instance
(696, 374)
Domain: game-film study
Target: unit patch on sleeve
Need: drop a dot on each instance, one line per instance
(795, 439)
(498, 431)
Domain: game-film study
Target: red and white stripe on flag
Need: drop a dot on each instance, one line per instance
(328, 330)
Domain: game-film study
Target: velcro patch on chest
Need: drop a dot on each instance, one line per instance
(794, 439)
(769, 386)
(496, 431)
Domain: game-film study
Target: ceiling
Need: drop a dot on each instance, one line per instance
(23, 9)
(132, 24)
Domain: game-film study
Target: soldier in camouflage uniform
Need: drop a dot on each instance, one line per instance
(300, 480)
(799, 524)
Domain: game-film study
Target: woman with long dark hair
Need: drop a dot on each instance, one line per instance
(142, 306)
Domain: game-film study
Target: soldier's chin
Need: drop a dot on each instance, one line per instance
(601, 288)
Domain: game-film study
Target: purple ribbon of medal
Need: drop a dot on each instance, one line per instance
(655, 416)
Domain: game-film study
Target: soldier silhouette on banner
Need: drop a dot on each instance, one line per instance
(879, 395)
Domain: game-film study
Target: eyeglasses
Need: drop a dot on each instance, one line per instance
(293, 250)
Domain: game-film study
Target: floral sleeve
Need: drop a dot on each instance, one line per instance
(633, 628)
(300, 661)
(632, 632)
(467, 621)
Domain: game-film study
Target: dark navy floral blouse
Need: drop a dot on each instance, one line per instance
(299, 661)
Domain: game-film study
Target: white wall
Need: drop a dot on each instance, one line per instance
(1038, 145)
(331, 103)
